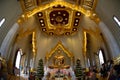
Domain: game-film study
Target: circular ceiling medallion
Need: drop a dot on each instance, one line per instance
(59, 17)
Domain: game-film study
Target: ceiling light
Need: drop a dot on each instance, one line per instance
(51, 33)
(76, 24)
(67, 33)
(43, 29)
(74, 29)
(40, 14)
(2, 21)
(64, 14)
(76, 20)
(78, 14)
(41, 21)
(42, 24)
(66, 18)
(53, 14)
(63, 22)
(52, 19)
(59, 12)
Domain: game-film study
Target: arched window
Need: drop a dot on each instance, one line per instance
(101, 57)
(18, 58)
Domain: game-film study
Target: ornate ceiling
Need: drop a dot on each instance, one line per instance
(59, 17)
(59, 20)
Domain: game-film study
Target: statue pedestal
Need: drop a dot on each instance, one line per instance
(59, 67)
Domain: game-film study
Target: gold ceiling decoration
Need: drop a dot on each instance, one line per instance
(58, 47)
(54, 3)
(59, 20)
(58, 17)
(83, 7)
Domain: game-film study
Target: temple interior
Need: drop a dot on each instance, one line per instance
(59, 39)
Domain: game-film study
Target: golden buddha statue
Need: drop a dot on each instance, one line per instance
(58, 60)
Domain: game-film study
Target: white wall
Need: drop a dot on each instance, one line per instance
(112, 44)
(10, 10)
(106, 9)
(8, 40)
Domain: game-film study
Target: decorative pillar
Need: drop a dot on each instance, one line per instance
(84, 49)
(34, 50)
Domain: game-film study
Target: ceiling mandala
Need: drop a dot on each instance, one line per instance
(59, 20)
(59, 17)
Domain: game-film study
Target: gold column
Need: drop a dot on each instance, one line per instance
(33, 49)
(84, 48)
(85, 43)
